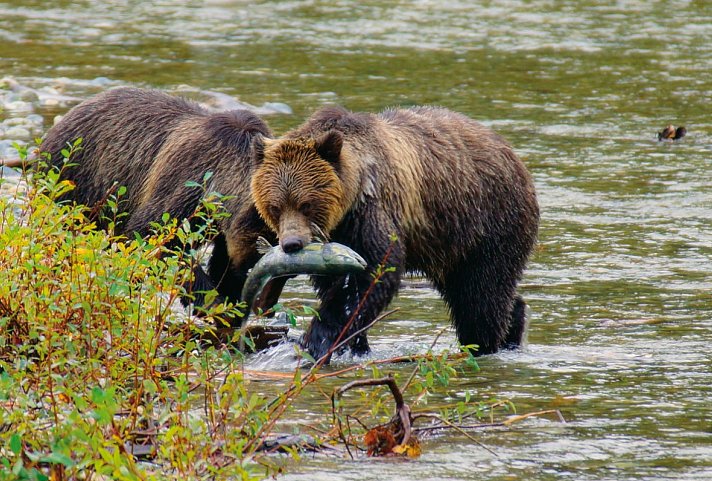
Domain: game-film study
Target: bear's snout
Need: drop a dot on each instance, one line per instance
(292, 244)
(294, 231)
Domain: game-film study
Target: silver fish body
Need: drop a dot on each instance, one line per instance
(314, 259)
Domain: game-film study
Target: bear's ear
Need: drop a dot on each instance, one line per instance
(328, 146)
(259, 144)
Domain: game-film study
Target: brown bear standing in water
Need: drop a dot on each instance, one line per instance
(153, 143)
(460, 203)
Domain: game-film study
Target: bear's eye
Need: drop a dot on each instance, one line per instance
(305, 208)
(273, 211)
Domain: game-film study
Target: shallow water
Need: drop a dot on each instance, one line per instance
(619, 287)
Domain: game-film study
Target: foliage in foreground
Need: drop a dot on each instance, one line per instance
(95, 363)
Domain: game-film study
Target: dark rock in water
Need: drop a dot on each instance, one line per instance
(286, 442)
(671, 133)
(262, 336)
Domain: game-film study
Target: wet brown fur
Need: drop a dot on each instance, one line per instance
(462, 205)
(153, 143)
(286, 205)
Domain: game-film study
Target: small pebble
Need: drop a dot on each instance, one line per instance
(100, 81)
(8, 173)
(49, 102)
(18, 106)
(17, 132)
(29, 96)
(278, 107)
(35, 119)
(8, 83)
(14, 121)
(7, 150)
(52, 90)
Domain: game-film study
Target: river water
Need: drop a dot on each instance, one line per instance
(620, 285)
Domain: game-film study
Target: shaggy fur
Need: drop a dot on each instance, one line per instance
(461, 205)
(153, 143)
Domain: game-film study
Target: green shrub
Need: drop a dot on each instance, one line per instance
(94, 360)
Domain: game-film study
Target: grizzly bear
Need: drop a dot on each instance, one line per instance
(424, 189)
(153, 144)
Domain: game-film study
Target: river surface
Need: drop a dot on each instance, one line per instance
(620, 286)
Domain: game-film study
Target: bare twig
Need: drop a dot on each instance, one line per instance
(98, 206)
(401, 418)
(375, 362)
(513, 419)
(324, 359)
(365, 328)
(458, 429)
(13, 163)
(415, 369)
(438, 427)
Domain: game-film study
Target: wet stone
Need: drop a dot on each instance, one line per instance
(9, 173)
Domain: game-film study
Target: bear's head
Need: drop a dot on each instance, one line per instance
(297, 188)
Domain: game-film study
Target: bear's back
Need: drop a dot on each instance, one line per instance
(146, 140)
(121, 130)
(441, 169)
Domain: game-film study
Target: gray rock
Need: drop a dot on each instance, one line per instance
(9, 174)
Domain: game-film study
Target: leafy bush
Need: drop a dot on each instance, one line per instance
(94, 361)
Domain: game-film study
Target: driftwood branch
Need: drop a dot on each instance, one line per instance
(445, 423)
(14, 163)
(400, 425)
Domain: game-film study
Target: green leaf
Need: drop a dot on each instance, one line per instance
(98, 396)
(16, 444)
(21, 150)
(18, 468)
(210, 296)
(116, 289)
(106, 456)
(58, 458)
(150, 386)
(102, 416)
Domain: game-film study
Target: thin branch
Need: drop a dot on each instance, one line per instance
(365, 328)
(402, 409)
(415, 369)
(323, 359)
(14, 163)
(438, 427)
(513, 419)
(460, 430)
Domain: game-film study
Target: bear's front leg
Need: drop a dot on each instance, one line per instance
(355, 299)
(228, 274)
(231, 260)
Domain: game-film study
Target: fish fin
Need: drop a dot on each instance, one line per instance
(263, 245)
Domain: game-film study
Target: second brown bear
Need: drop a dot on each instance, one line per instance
(154, 144)
(431, 189)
